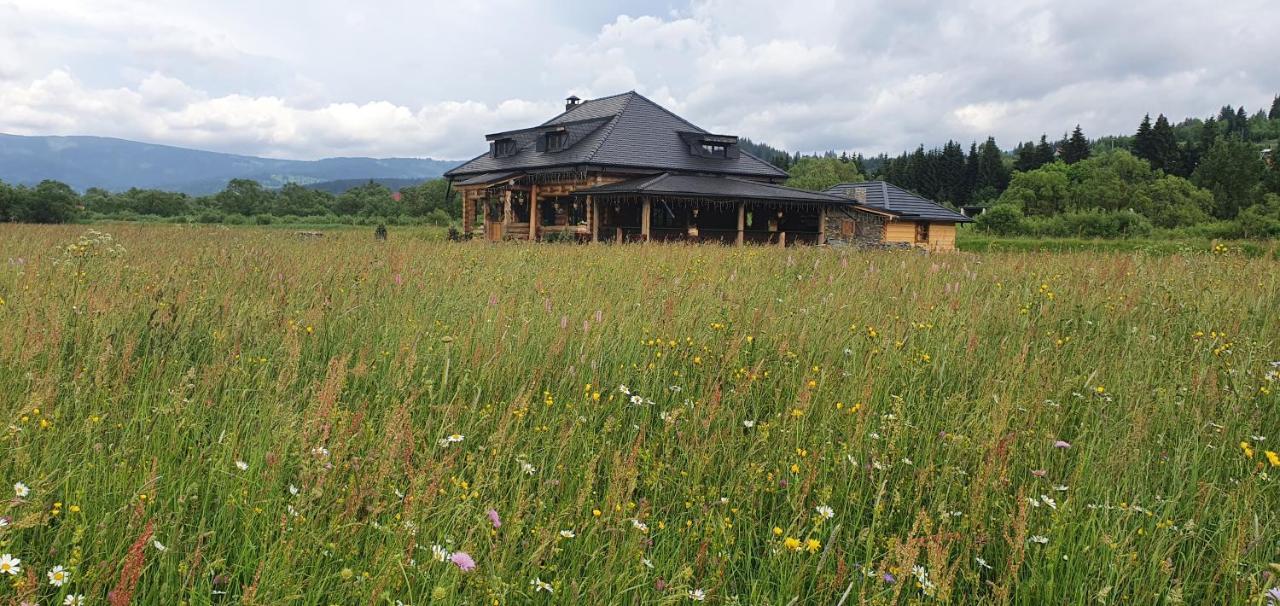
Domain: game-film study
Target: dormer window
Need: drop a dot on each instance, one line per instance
(707, 145)
(557, 141)
(715, 150)
(504, 148)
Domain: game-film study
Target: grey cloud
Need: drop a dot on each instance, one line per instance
(430, 78)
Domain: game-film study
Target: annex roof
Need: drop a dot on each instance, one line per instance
(893, 199)
(623, 131)
(702, 186)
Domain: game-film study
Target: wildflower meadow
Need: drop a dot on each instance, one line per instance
(198, 415)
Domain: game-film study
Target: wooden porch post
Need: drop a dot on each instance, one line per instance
(467, 210)
(506, 214)
(593, 218)
(742, 222)
(822, 225)
(533, 212)
(644, 219)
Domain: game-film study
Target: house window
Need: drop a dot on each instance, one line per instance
(715, 150)
(922, 232)
(557, 141)
(503, 148)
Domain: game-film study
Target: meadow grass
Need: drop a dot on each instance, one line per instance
(223, 416)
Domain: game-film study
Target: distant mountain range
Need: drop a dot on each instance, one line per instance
(118, 164)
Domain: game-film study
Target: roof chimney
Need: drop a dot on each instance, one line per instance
(860, 195)
(571, 102)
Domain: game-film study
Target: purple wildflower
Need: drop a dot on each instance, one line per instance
(493, 517)
(1062, 444)
(463, 561)
(888, 578)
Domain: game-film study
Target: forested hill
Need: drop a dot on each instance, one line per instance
(119, 164)
(1217, 176)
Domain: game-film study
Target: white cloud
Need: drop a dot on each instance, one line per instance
(430, 78)
(163, 109)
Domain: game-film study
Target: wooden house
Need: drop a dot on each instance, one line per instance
(623, 169)
(906, 218)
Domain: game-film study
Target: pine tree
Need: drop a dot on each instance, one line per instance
(1274, 114)
(1165, 145)
(993, 176)
(1143, 143)
(971, 172)
(1044, 151)
(951, 174)
(1242, 124)
(1227, 116)
(1208, 134)
(1025, 158)
(1076, 148)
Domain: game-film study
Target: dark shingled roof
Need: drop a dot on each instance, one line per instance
(622, 131)
(893, 199)
(697, 186)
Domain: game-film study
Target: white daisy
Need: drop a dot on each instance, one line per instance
(825, 511)
(159, 546)
(637, 400)
(697, 595)
(528, 468)
(540, 585)
(568, 534)
(20, 490)
(1043, 540)
(75, 599)
(641, 526)
(58, 576)
(749, 423)
(241, 465)
(453, 439)
(10, 565)
(293, 490)
(440, 553)
(624, 390)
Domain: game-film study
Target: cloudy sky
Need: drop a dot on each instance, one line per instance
(315, 78)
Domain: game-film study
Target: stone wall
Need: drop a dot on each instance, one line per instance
(855, 229)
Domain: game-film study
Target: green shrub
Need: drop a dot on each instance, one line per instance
(1002, 220)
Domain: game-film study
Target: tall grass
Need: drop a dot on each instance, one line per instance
(205, 415)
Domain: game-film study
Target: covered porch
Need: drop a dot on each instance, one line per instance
(687, 208)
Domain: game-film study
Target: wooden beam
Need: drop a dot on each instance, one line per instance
(506, 214)
(467, 210)
(644, 219)
(782, 239)
(593, 219)
(822, 225)
(533, 212)
(742, 223)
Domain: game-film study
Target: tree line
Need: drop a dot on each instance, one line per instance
(241, 201)
(1218, 176)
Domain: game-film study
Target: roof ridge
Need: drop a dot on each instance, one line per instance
(584, 104)
(612, 124)
(668, 112)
